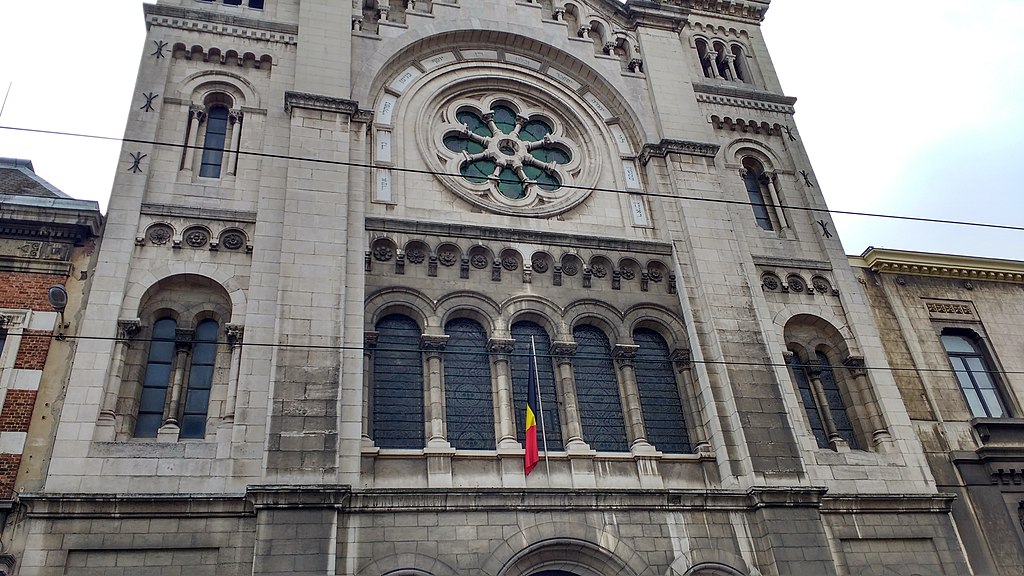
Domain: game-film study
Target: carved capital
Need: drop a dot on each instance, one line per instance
(234, 333)
(183, 340)
(563, 351)
(370, 341)
(855, 365)
(433, 342)
(625, 354)
(682, 359)
(787, 355)
(501, 346)
(127, 329)
(814, 369)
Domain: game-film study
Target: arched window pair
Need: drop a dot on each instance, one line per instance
(400, 394)
(717, 60)
(178, 378)
(822, 400)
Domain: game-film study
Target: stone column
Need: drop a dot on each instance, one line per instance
(196, 115)
(683, 363)
(433, 348)
(712, 57)
(235, 119)
(865, 399)
(773, 191)
(369, 345)
(182, 348)
(500, 348)
(106, 426)
(233, 333)
(563, 353)
(629, 392)
(814, 373)
(730, 61)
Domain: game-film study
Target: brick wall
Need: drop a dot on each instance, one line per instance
(27, 290)
(32, 353)
(9, 464)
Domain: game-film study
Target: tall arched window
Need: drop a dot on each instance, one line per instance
(755, 181)
(398, 384)
(975, 375)
(467, 386)
(200, 379)
(740, 63)
(158, 375)
(522, 332)
(659, 394)
(707, 65)
(213, 144)
(822, 400)
(598, 391)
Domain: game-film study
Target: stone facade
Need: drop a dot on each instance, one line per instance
(310, 324)
(975, 450)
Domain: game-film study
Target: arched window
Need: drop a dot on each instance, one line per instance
(158, 375)
(398, 384)
(822, 400)
(213, 144)
(598, 391)
(522, 332)
(707, 65)
(740, 63)
(659, 394)
(756, 182)
(467, 386)
(975, 375)
(200, 379)
(722, 61)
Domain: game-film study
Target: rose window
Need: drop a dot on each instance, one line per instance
(519, 157)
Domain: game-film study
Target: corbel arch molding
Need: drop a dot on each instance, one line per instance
(407, 564)
(565, 545)
(739, 148)
(233, 285)
(197, 86)
(395, 55)
(536, 309)
(831, 330)
(598, 314)
(661, 320)
(472, 305)
(399, 300)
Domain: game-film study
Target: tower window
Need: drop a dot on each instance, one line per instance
(756, 182)
(158, 375)
(823, 401)
(975, 376)
(200, 379)
(213, 144)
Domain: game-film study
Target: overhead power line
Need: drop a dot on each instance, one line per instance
(569, 186)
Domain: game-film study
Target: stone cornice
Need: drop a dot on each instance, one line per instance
(326, 104)
(51, 218)
(205, 21)
(476, 232)
(884, 260)
(887, 503)
(743, 97)
(748, 10)
(666, 147)
(171, 210)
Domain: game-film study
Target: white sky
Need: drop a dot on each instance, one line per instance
(906, 107)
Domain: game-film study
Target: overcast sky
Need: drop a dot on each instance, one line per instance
(909, 107)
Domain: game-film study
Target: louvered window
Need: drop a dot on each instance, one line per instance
(520, 365)
(398, 384)
(467, 386)
(659, 394)
(598, 391)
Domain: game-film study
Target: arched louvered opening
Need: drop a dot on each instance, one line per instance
(467, 386)
(158, 375)
(598, 391)
(522, 332)
(659, 394)
(398, 384)
(200, 379)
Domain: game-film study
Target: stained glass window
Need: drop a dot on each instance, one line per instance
(520, 365)
(213, 144)
(200, 378)
(598, 391)
(467, 386)
(659, 394)
(158, 375)
(398, 384)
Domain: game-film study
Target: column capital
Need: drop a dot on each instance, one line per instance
(625, 354)
(370, 340)
(234, 333)
(814, 369)
(433, 342)
(128, 328)
(855, 365)
(501, 346)
(682, 358)
(563, 351)
(183, 340)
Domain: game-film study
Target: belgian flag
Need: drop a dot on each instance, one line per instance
(532, 454)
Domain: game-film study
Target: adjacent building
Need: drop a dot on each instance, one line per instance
(345, 239)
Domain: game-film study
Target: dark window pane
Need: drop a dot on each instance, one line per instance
(200, 377)
(803, 384)
(836, 406)
(257, 4)
(756, 195)
(520, 368)
(598, 391)
(154, 383)
(152, 401)
(474, 123)
(213, 144)
(193, 426)
(398, 384)
(196, 402)
(467, 386)
(659, 394)
(534, 130)
(958, 344)
(478, 171)
(147, 425)
(504, 119)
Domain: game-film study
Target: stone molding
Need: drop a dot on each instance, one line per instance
(744, 98)
(667, 146)
(941, 503)
(887, 261)
(229, 24)
(171, 210)
(307, 101)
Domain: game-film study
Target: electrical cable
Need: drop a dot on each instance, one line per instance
(568, 186)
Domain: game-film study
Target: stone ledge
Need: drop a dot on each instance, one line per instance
(666, 147)
(73, 506)
(218, 18)
(305, 100)
(151, 209)
(887, 503)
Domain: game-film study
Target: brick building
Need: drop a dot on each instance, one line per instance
(46, 239)
(309, 337)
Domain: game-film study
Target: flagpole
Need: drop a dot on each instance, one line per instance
(540, 406)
